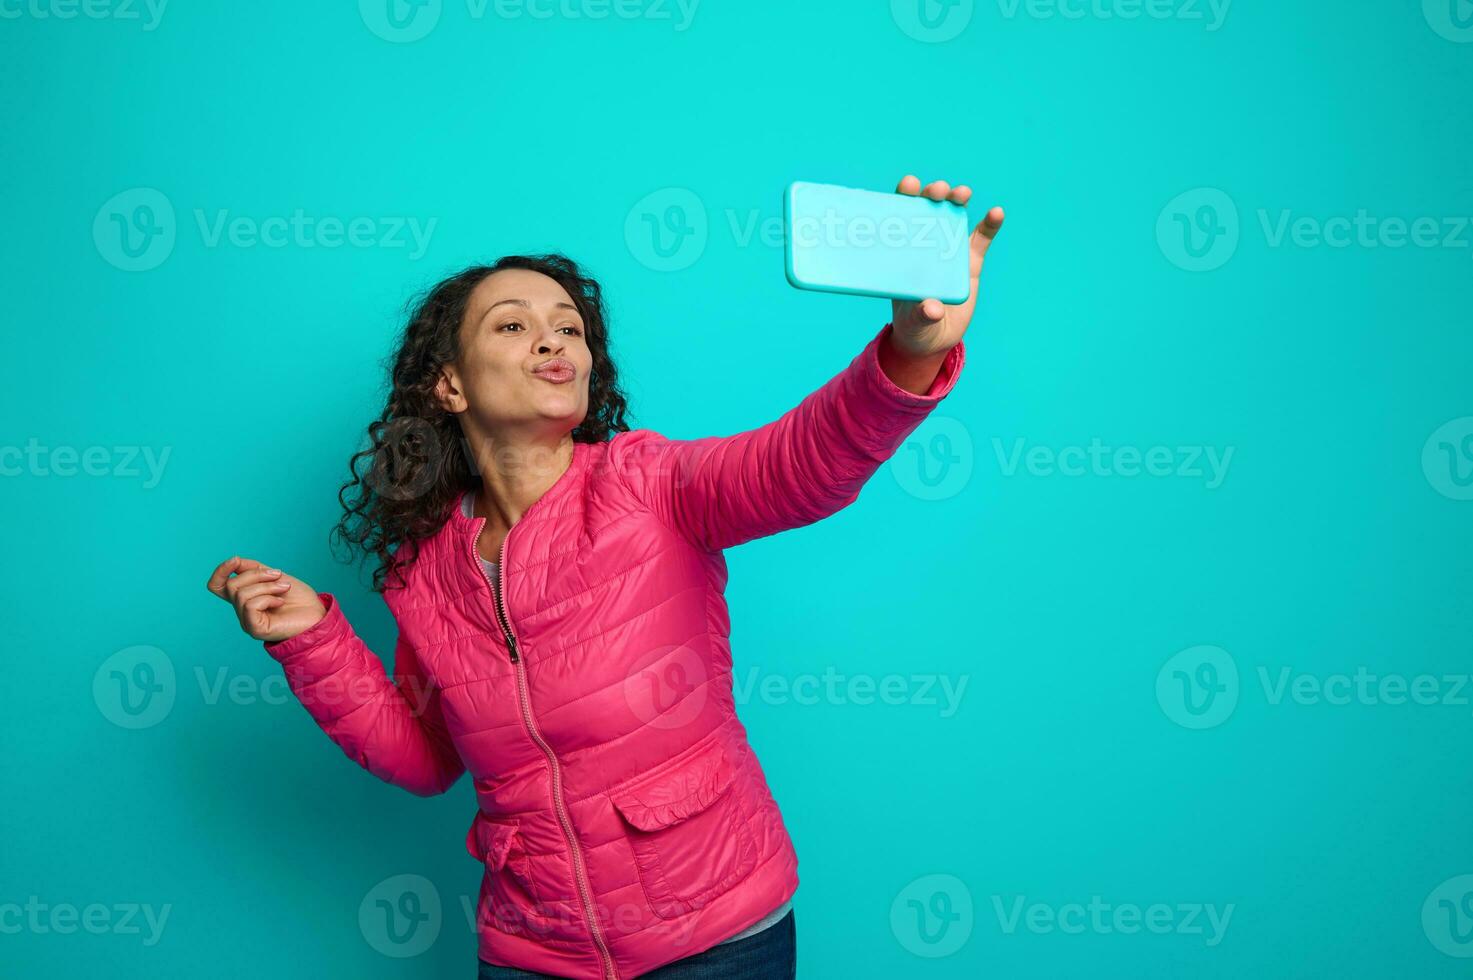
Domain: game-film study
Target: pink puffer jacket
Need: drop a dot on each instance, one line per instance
(623, 820)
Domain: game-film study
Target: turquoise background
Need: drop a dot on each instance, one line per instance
(1065, 771)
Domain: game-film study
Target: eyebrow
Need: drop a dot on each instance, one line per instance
(524, 303)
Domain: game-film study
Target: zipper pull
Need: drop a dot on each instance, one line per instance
(511, 643)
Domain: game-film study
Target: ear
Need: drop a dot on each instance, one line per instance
(447, 391)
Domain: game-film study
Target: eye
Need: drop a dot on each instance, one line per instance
(509, 323)
(576, 332)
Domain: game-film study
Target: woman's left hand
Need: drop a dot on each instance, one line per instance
(926, 330)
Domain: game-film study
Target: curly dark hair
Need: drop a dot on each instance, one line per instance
(417, 462)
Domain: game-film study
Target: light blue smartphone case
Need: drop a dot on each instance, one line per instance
(871, 243)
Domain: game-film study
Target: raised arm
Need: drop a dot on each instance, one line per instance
(394, 728)
(721, 491)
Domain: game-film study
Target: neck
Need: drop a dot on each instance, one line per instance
(516, 472)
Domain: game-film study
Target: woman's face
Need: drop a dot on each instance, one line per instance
(524, 358)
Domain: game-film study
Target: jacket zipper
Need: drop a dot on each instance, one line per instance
(610, 973)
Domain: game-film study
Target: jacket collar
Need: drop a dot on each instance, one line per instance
(465, 530)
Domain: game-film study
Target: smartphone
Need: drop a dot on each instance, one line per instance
(872, 243)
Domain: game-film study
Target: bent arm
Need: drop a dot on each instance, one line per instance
(394, 728)
(721, 491)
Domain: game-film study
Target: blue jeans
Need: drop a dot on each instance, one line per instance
(771, 954)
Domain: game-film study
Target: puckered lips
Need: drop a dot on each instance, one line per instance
(559, 371)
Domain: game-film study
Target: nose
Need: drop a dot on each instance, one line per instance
(549, 341)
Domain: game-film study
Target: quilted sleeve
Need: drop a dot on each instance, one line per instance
(394, 728)
(721, 491)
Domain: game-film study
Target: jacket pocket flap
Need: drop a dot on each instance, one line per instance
(488, 841)
(673, 794)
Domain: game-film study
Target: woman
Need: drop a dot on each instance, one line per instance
(557, 582)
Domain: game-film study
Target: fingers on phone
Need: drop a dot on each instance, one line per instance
(909, 184)
(961, 194)
(937, 190)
